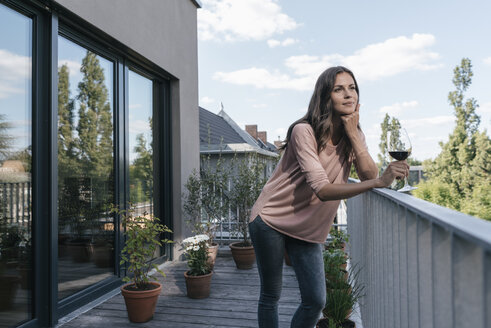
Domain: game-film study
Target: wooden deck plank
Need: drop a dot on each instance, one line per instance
(232, 301)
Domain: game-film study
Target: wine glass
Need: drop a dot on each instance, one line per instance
(399, 148)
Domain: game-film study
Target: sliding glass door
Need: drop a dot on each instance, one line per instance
(85, 168)
(16, 269)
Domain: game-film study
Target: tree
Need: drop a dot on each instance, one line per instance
(5, 138)
(67, 161)
(141, 171)
(383, 159)
(387, 125)
(95, 120)
(463, 166)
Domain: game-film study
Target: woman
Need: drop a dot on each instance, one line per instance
(297, 205)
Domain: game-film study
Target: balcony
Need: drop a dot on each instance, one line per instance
(422, 266)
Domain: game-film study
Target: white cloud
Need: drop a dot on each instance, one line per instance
(373, 62)
(232, 20)
(428, 121)
(487, 61)
(139, 126)
(14, 70)
(206, 100)
(135, 106)
(272, 43)
(259, 106)
(264, 79)
(398, 108)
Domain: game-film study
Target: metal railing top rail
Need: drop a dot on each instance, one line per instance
(466, 226)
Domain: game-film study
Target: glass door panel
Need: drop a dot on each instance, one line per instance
(141, 143)
(85, 168)
(16, 270)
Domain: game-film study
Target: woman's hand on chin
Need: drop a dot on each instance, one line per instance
(350, 122)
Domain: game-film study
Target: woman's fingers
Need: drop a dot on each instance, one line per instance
(399, 169)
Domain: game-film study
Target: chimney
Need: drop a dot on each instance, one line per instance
(252, 130)
(263, 136)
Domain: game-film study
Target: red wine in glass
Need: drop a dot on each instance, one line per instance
(399, 155)
(399, 148)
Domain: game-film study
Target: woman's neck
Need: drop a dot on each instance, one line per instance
(337, 130)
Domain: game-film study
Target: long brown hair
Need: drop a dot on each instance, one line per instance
(320, 112)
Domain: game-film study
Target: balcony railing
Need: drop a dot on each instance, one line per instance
(15, 203)
(422, 265)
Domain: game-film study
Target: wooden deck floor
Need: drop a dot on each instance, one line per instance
(232, 302)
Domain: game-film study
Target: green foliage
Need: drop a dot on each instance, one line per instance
(141, 170)
(94, 128)
(342, 287)
(247, 185)
(205, 201)
(196, 249)
(339, 238)
(459, 177)
(438, 192)
(214, 183)
(387, 125)
(143, 233)
(5, 138)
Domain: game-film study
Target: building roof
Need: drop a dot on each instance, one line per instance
(214, 130)
(219, 133)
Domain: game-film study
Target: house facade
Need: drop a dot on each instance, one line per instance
(98, 108)
(221, 137)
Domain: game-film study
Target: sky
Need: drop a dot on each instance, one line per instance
(261, 58)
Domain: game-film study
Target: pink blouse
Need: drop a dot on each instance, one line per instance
(288, 202)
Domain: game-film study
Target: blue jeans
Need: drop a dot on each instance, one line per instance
(307, 261)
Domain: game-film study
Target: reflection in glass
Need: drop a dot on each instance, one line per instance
(140, 143)
(15, 168)
(85, 168)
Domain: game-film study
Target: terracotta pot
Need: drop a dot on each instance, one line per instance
(140, 305)
(8, 290)
(244, 257)
(212, 255)
(198, 286)
(103, 256)
(81, 252)
(287, 259)
(25, 276)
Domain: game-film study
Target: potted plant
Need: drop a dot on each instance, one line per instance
(10, 238)
(198, 277)
(342, 288)
(341, 296)
(205, 202)
(247, 185)
(339, 239)
(25, 259)
(143, 236)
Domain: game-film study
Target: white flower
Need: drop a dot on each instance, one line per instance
(189, 248)
(196, 248)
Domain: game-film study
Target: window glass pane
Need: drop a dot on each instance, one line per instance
(140, 142)
(15, 167)
(85, 168)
